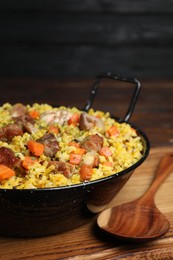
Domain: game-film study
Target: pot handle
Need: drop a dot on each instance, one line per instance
(120, 78)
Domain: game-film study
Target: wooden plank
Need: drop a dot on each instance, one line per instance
(88, 242)
(105, 29)
(84, 61)
(123, 6)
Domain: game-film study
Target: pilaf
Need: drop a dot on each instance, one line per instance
(43, 146)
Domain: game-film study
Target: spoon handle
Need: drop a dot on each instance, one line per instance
(164, 169)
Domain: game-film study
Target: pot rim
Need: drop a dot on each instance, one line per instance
(145, 140)
(84, 185)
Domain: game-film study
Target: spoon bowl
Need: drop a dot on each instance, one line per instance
(144, 223)
(139, 220)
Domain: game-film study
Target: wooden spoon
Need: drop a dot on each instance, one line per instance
(139, 220)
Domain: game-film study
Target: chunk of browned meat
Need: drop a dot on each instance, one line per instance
(8, 158)
(29, 127)
(92, 142)
(8, 132)
(18, 110)
(21, 117)
(51, 145)
(87, 122)
(21, 120)
(63, 167)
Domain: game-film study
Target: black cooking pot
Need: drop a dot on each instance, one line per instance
(42, 212)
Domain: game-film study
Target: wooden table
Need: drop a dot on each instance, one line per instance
(154, 115)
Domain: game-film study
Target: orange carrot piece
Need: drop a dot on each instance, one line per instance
(113, 131)
(80, 151)
(53, 129)
(105, 151)
(86, 172)
(74, 119)
(28, 161)
(35, 148)
(75, 158)
(5, 172)
(110, 164)
(73, 143)
(34, 114)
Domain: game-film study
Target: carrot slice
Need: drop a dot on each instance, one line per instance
(86, 172)
(113, 131)
(110, 164)
(35, 148)
(5, 172)
(53, 129)
(80, 151)
(73, 143)
(75, 158)
(34, 114)
(105, 151)
(28, 162)
(74, 119)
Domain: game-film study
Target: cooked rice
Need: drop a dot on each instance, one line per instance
(126, 148)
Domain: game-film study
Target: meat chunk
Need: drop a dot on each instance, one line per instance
(87, 122)
(29, 127)
(91, 158)
(8, 132)
(92, 142)
(18, 110)
(8, 158)
(60, 117)
(63, 167)
(51, 145)
(21, 117)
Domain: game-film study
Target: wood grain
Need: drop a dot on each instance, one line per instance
(88, 242)
(153, 114)
(83, 29)
(139, 220)
(51, 60)
(123, 6)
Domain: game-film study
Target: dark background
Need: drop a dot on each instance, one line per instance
(66, 38)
